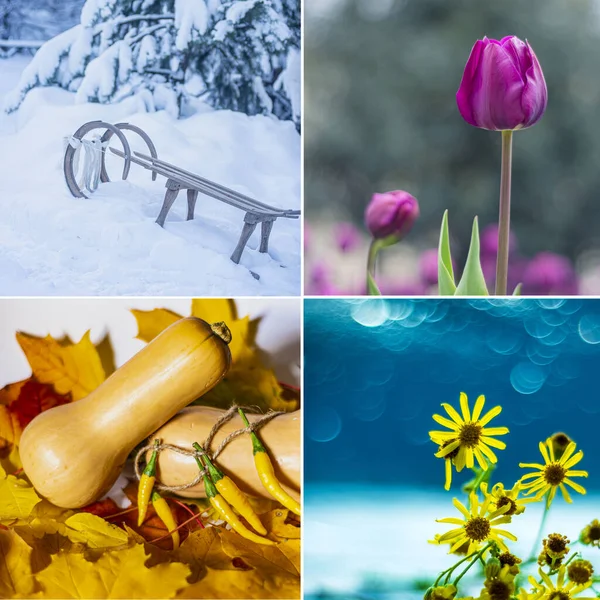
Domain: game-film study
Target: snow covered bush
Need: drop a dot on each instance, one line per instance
(241, 55)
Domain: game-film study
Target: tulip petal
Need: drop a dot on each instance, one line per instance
(465, 90)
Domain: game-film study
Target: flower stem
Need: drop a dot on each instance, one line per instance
(372, 289)
(504, 215)
(540, 532)
(478, 555)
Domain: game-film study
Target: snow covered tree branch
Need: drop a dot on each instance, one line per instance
(241, 55)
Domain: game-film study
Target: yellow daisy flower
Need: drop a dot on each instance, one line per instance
(590, 536)
(500, 497)
(478, 526)
(502, 586)
(553, 474)
(559, 591)
(468, 438)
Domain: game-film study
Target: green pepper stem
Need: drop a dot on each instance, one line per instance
(150, 469)
(209, 486)
(256, 443)
(504, 215)
(215, 473)
(155, 496)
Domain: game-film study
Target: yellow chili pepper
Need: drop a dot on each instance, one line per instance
(222, 507)
(164, 513)
(266, 472)
(230, 491)
(146, 484)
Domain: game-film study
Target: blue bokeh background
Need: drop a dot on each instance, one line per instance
(375, 372)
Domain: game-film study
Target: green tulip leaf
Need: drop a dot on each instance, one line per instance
(446, 285)
(372, 288)
(518, 290)
(472, 282)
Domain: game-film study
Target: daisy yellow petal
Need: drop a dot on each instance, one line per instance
(448, 475)
(446, 422)
(464, 407)
(530, 475)
(493, 443)
(544, 452)
(532, 466)
(452, 413)
(459, 461)
(478, 407)
(469, 459)
(451, 520)
(458, 544)
(461, 507)
(489, 453)
(450, 535)
(481, 459)
(565, 493)
(567, 453)
(494, 412)
(570, 473)
(573, 460)
(447, 449)
(495, 431)
(442, 435)
(506, 534)
(575, 486)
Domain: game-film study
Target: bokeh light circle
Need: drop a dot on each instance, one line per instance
(324, 424)
(589, 328)
(371, 313)
(527, 378)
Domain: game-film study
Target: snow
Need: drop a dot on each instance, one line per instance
(191, 19)
(54, 244)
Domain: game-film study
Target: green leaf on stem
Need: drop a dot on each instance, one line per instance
(446, 285)
(372, 288)
(472, 282)
(518, 289)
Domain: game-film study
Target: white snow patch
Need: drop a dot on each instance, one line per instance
(54, 244)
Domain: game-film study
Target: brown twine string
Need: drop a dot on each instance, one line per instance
(227, 416)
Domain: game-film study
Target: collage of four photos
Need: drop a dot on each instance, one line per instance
(299, 299)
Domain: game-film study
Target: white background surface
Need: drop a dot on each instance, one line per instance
(278, 334)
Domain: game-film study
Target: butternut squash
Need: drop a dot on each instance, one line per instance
(74, 453)
(281, 437)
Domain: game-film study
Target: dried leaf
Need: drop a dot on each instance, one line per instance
(15, 566)
(17, 499)
(9, 393)
(74, 369)
(10, 461)
(10, 429)
(94, 531)
(280, 522)
(152, 322)
(116, 574)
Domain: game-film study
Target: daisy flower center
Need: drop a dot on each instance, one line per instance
(470, 434)
(499, 590)
(554, 473)
(594, 533)
(580, 572)
(477, 529)
(558, 595)
(503, 501)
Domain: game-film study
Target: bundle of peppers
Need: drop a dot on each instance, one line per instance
(221, 491)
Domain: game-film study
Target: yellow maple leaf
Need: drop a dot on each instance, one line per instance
(249, 382)
(94, 531)
(153, 322)
(17, 499)
(69, 368)
(10, 428)
(11, 462)
(15, 566)
(116, 574)
(242, 584)
(269, 560)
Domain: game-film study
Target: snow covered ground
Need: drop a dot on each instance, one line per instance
(54, 244)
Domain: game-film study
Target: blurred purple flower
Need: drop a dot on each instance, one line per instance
(307, 236)
(347, 237)
(391, 214)
(503, 86)
(550, 274)
(489, 241)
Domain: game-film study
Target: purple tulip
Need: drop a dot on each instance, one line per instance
(347, 237)
(391, 215)
(428, 267)
(550, 274)
(503, 87)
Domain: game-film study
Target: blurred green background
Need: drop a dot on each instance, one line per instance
(380, 114)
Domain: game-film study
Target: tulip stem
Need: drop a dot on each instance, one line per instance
(372, 289)
(504, 216)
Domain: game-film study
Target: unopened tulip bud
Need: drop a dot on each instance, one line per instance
(503, 86)
(391, 215)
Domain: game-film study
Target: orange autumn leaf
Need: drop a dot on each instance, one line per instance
(74, 369)
(20, 403)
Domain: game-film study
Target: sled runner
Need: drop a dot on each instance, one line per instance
(94, 172)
